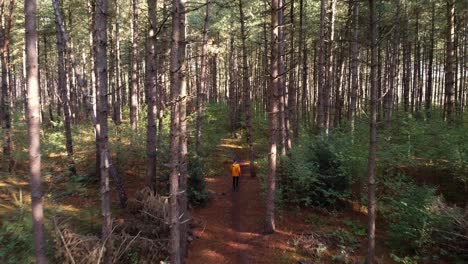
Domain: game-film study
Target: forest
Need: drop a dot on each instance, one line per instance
(343, 125)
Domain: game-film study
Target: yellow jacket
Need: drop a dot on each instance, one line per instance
(235, 170)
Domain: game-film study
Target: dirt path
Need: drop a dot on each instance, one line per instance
(229, 229)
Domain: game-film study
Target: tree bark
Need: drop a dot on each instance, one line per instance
(373, 136)
(175, 71)
(449, 61)
(428, 97)
(151, 82)
(64, 92)
(354, 66)
(91, 109)
(134, 55)
(100, 30)
(321, 69)
(183, 162)
(6, 91)
(273, 116)
(34, 128)
(246, 88)
(203, 78)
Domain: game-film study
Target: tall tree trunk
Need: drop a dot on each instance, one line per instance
(373, 136)
(282, 89)
(321, 69)
(429, 89)
(151, 82)
(118, 80)
(232, 90)
(134, 88)
(64, 92)
(273, 115)
(449, 61)
(354, 65)
(393, 69)
(291, 111)
(246, 88)
(175, 70)
(183, 162)
(203, 78)
(330, 75)
(100, 30)
(90, 107)
(6, 91)
(34, 128)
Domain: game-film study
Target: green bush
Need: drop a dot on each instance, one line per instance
(197, 193)
(312, 176)
(420, 223)
(16, 239)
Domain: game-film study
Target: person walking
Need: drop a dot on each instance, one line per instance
(235, 173)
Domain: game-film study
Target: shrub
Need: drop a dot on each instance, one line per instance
(312, 175)
(420, 222)
(197, 193)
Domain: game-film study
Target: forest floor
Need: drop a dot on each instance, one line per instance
(230, 228)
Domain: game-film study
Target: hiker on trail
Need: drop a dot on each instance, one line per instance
(235, 173)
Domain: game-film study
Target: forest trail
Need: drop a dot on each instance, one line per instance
(228, 229)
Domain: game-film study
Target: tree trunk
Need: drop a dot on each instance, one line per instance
(291, 115)
(90, 108)
(273, 116)
(428, 96)
(100, 30)
(175, 70)
(6, 94)
(203, 78)
(449, 61)
(330, 75)
(183, 163)
(118, 80)
(321, 69)
(151, 82)
(34, 129)
(64, 92)
(246, 88)
(373, 136)
(134, 58)
(354, 65)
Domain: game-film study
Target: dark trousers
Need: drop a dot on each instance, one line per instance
(235, 183)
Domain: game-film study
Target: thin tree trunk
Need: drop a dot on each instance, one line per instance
(6, 94)
(330, 72)
(175, 250)
(354, 65)
(151, 82)
(183, 162)
(246, 88)
(34, 128)
(291, 115)
(100, 28)
(428, 96)
(373, 137)
(449, 61)
(203, 78)
(90, 108)
(273, 119)
(118, 79)
(134, 58)
(321, 69)
(64, 92)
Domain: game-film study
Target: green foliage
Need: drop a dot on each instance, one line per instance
(312, 175)
(197, 193)
(16, 238)
(419, 221)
